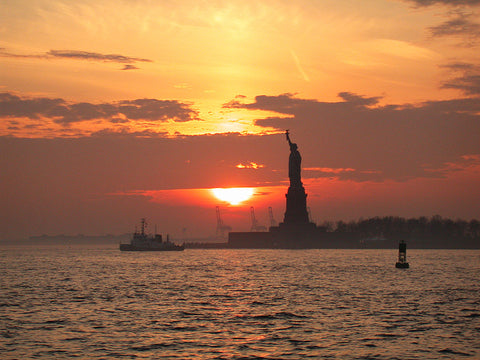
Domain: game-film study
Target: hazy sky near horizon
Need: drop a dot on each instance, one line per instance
(115, 110)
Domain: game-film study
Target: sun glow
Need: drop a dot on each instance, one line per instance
(233, 196)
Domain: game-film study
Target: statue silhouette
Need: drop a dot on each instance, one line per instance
(294, 164)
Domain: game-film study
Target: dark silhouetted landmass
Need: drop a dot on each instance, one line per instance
(422, 232)
(372, 233)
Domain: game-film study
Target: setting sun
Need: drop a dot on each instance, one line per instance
(233, 196)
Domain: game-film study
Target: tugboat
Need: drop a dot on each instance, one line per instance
(143, 242)
(402, 256)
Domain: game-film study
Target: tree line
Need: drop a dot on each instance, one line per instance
(394, 227)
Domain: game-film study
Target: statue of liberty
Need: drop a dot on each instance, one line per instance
(294, 164)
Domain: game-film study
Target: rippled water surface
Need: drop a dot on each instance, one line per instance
(238, 304)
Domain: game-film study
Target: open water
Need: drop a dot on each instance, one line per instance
(64, 303)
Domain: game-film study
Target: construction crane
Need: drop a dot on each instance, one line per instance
(255, 225)
(270, 214)
(221, 227)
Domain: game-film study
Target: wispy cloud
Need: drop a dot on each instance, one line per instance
(462, 20)
(445, 2)
(86, 55)
(79, 55)
(461, 25)
(129, 67)
(299, 66)
(468, 81)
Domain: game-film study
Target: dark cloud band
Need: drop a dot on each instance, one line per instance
(397, 141)
(62, 112)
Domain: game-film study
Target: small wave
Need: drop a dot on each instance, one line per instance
(297, 342)
(276, 316)
(454, 352)
(255, 302)
(57, 321)
(8, 304)
(152, 347)
(387, 335)
(259, 357)
(107, 311)
(315, 347)
(7, 334)
(117, 355)
(49, 352)
(368, 339)
(76, 339)
(188, 313)
(222, 296)
(419, 329)
(203, 303)
(391, 327)
(258, 317)
(186, 328)
(286, 314)
(243, 347)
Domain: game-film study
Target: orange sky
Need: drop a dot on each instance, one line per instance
(104, 103)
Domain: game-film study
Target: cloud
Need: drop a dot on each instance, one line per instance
(15, 106)
(5, 53)
(129, 67)
(86, 55)
(469, 84)
(445, 2)
(462, 22)
(358, 100)
(398, 142)
(250, 165)
(354, 138)
(460, 25)
(469, 80)
(65, 113)
(80, 55)
(299, 66)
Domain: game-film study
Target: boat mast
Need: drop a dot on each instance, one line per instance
(143, 222)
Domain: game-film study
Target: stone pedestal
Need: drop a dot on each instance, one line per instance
(296, 211)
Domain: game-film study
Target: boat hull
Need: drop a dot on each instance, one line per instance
(402, 265)
(130, 247)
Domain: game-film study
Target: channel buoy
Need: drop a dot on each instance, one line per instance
(402, 256)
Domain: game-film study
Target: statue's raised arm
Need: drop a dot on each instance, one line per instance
(288, 138)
